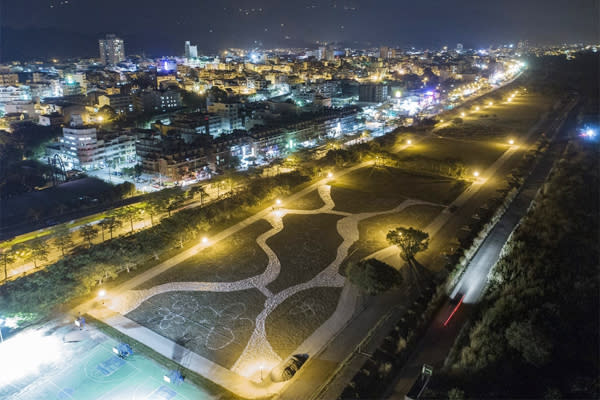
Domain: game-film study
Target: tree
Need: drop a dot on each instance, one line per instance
(103, 226)
(410, 240)
(456, 394)
(130, 214)
(107, 112)
(63, 238)
(152, 208)
(8, 257)
(39, 251)
(111, 223)
(373, 276)
(88, 233)
(198, 190)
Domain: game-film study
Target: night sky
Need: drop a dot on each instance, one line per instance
(71, 27)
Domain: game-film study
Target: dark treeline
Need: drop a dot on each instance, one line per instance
(535, 334)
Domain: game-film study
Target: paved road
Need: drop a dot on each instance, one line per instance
(439, 339)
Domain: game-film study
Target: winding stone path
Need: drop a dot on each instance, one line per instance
(258, 346)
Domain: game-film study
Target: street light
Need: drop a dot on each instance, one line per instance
(204, 240)
(409, 141)
(491, 103)
(476, 174)
(462, 114)
(329, 175)
(101, 293)
(511, 142)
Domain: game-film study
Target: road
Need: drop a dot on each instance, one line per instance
(444, 329)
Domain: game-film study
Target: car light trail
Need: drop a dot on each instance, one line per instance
(454, 311)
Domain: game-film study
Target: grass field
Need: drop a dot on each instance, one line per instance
(306, 246)
(298, 317)
(374, 230)
(214, 325)
(500, 121)
(381, 188)
(236, 258)
(472, 153)
(310, 201)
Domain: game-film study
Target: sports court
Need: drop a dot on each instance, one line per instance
(87, 368)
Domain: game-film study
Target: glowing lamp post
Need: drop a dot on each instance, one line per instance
(491, 103)
(511, 142)
(204, 240)
(462, 114)
(278, 202)
(101, 293)
(409, 142)
(329, 175)
(476, 174)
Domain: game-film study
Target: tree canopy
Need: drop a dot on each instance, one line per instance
(373, 276)
(410, 240)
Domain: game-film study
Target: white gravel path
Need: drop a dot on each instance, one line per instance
(258, 348)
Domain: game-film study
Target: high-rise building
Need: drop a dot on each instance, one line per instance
(372, 93)
(322, 53)
(112, 50)
(384, 52)
(191, 51)
(459, 47)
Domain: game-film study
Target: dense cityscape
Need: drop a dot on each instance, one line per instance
(317, 220)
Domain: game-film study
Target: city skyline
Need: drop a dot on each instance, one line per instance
(156, 28)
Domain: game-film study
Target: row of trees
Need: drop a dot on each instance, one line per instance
(90, 266)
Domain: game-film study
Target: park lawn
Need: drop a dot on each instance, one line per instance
(215, 325)
(235, 258)
(474, 154)
(306, 246)
(373, 230)
(310, 201)
(382, 188)
(501, 121)
(294, 320)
